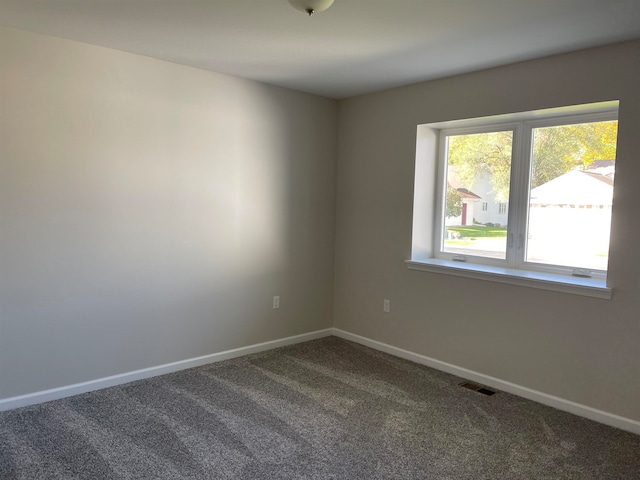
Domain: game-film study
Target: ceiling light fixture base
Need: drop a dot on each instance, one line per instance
(311, 6)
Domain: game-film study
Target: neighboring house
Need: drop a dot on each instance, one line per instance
(469, 200)
(479, 203)
(575, 189)
(490, 209)
(577, 203)
(590, 189)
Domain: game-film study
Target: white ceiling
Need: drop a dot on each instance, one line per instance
(357, 46)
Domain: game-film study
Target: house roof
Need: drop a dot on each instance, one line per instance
(464, 193)
(453, 180)
(602, 169)
(575, 188)
(601, 178)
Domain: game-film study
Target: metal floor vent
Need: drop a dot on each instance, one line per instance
(477, 388)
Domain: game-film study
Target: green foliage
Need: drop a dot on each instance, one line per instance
(556, 151)
(479, 153)
(454, 202)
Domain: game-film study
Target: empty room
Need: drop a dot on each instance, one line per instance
(314, 239)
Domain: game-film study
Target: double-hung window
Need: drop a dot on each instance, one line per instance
(521, 198)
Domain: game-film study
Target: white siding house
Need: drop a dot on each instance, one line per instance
(479, 202)
(576, 205)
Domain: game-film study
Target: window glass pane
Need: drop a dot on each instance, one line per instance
(571, 193)
(477, 191)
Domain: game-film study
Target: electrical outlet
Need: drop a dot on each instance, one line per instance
(276, 301)
(386, 305)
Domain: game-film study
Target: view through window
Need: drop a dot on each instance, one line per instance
(571, 194)
(563, 193)
(478, 173)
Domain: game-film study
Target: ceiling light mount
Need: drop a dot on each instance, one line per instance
(311, 6)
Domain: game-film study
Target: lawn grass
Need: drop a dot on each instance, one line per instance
(463, 243)
(479, 231)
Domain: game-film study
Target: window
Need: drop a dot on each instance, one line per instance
(544, 184)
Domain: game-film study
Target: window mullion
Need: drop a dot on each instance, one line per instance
(518, 195)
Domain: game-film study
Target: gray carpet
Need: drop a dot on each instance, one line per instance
(326, 409)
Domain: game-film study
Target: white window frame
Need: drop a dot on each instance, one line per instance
(439, 226)
(514, 268)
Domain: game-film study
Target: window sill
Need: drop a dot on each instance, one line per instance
(589, 287)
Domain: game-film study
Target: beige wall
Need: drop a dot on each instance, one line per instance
(578, 348)
(149, 212)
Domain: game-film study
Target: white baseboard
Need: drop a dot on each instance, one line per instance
(561, 404)
(600, 416)
(69, 390)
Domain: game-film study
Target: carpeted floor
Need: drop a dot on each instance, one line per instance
(326, 409)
